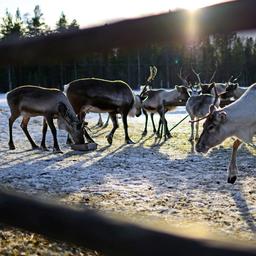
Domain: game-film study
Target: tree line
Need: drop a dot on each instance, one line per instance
(228, 54)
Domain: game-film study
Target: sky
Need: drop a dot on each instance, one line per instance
(98, 12)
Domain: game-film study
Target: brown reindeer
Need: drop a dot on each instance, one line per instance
(101, 96)
(29, 101)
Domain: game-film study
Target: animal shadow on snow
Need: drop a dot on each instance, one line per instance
(125, 166)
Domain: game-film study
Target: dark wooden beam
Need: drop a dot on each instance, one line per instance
(130, 34)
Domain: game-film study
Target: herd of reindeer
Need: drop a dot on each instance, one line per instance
(202, 101)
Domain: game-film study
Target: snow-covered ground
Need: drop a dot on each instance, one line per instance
(150, 181)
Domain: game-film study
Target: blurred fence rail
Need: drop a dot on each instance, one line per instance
(92, 230)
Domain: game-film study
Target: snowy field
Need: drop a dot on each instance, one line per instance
(152, 182)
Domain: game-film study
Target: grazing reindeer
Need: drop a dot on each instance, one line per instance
(29, 101)
(160, 101)
(235, 120)
(233, 90)
(197, 107)
(100, 96)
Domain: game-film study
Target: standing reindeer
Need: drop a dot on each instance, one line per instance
(235, 120)
(29, 101)
(197, 107)
(160, 101)
(198, 104)
(101, 96)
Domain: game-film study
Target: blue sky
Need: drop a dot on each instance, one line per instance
(95, 12)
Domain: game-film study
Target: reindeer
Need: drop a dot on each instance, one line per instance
(29, 101)
(100, 96)
(198, 105)
(235, 120)
(160, 101)
(233, 90)
(208, 88)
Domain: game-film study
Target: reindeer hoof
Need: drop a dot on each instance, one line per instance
(57, 151)
(158, 135)
(232, 179)
(44, 148)
(129, 141)
(168, 135)
(35, 147)
(109, 139)
(11, 147)
(144, 133)
(191, 139)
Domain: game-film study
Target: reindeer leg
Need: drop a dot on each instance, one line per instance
(44, 131)
(167, 133)
(127, 138)
(100, 123)
(81, 118)
(24, 126)
(159, 129)
(232, 168)
(146, 122)
(115, 126)
(153, 123)
(56, 148)
(161, 121)
(197, 131)
(191, 138)
(106, 123)
(12, 119)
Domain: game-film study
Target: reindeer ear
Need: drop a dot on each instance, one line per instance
(177, 88)
(221, 116)
(180, 88)
(62, 109)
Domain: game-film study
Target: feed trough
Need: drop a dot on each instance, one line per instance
(84, 147)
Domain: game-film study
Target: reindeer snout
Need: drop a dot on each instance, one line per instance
(201, 148)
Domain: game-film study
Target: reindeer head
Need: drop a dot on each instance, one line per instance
(136, 108)
(182, 93)
(68, 121)
(194, 90)
(214, 131)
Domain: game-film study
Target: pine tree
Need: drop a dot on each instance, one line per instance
(12, 28)
(73, 25)
(62, 23)
(36, 26)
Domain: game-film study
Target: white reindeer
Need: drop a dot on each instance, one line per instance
(235, 120)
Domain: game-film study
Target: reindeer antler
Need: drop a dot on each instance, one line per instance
(150, 74)
(229, 80)
(151, 77)
(197, 75)
(213, 75)
(216, 95)
(234, 80)
(185, 82)
(154, 72)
